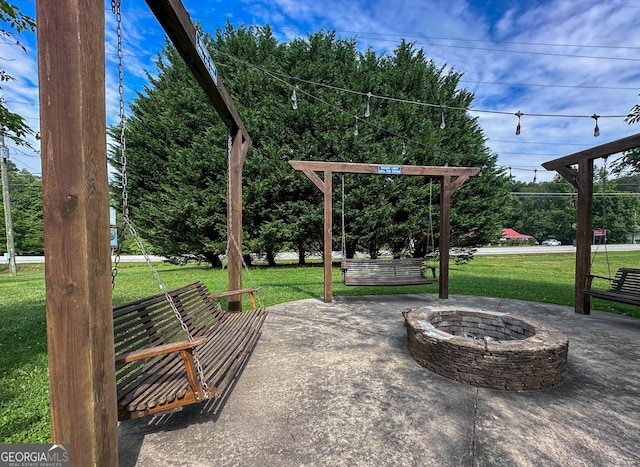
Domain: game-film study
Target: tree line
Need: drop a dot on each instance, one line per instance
(176, 153)
(176, 149)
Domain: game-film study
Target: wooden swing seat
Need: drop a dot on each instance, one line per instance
(407, 271)
(625, 287)
(155, 365)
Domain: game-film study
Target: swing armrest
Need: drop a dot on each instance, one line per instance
(590, 278)
(155, 351)
(433, 270)
(231, 293)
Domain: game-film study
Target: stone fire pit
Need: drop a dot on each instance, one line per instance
(487, 349)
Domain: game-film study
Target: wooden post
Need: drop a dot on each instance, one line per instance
(237, 155)
(583, 234)
(444, 243)
(76, 229)
(328, 235)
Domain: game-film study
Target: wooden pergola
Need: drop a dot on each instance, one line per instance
(450, 180)
(71, 72)
(582, 179)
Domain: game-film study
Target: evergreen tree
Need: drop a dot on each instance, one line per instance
(177, 149)
(26, 211)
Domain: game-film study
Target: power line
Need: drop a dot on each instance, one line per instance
(533, 85)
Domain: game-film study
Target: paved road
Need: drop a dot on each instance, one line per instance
(522, 250)
(504, 250)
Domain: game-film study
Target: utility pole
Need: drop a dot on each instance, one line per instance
(8, 222)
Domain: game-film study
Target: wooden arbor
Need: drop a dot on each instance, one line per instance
(450, 180)
(582, 179)
(71, 72)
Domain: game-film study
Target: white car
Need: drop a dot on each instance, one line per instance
(551, 242)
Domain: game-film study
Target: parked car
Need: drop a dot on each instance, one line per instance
(552, 242)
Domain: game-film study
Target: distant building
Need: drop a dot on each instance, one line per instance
(511, 237)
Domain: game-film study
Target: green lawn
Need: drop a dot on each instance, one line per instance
(24, 402)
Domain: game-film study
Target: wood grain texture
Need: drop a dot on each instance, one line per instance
(76, 224)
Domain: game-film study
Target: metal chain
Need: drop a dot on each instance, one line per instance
(127, 225)
(431, 233)
(604, 213)
(115, 7)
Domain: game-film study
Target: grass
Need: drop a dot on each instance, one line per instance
(24, 386)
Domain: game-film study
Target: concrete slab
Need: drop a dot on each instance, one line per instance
(334, 385)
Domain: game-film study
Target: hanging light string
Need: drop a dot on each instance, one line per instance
(285, 78)
(357, 120)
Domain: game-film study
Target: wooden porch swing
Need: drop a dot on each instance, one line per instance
(178, 347)
(625, 286)
(75, 185)
(394, 272)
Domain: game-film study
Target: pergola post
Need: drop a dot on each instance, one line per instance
(76, 229)
(237, 154)
(584, 222)
(445, 234)
(328, 235)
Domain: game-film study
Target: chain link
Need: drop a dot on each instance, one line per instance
(126, 221)
(115, 7)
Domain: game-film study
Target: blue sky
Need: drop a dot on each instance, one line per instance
(556, 58)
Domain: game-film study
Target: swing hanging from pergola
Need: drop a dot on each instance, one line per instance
(450, 180)
(394, 272)
(71, 72)
(625, 287)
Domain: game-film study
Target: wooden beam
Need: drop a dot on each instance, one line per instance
(328, 236)
(177, 24)
(384, 169)
(584, 182)
(75, 190)
(569, 174)
(596, 152)
(237, 155)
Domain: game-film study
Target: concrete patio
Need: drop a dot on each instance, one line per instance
(334, 385)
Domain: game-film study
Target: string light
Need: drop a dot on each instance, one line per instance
(282, 77)
(518, 114)
(596, 130)
(294, 97)
(442, 107)
(367, 113)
